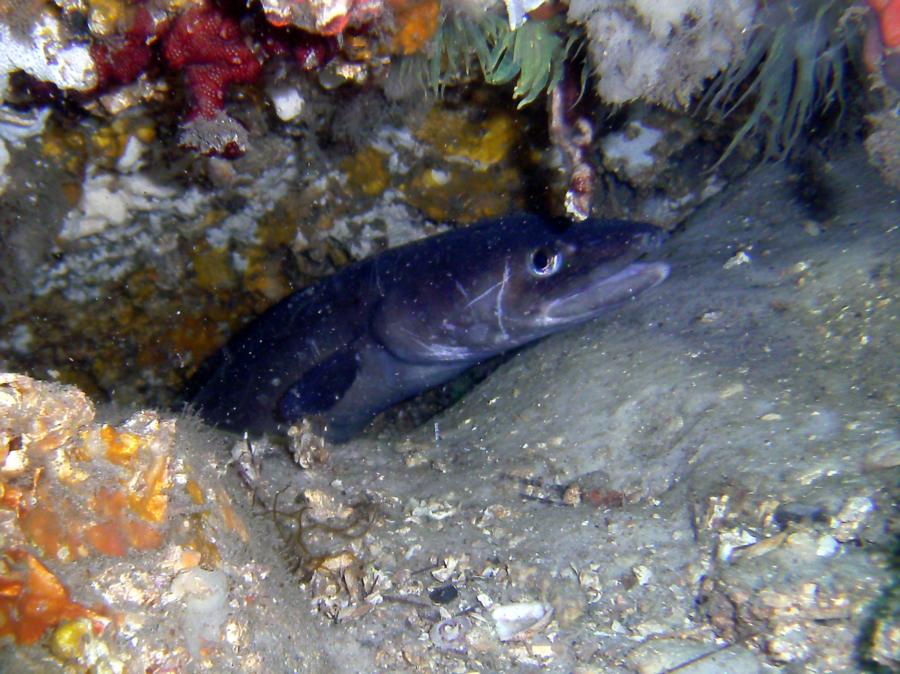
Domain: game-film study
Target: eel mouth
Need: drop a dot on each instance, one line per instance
(599, 294)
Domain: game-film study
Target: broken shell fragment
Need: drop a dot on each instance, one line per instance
(514, 622)
(450, 634)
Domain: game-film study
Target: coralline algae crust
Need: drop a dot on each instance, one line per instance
(124, 219)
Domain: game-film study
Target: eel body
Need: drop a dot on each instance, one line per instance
(391, 326)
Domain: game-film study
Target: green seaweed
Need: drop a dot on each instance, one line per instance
(793, 69)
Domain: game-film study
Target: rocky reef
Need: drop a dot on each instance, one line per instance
(171, 168)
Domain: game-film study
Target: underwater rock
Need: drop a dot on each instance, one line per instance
(686, 657)
(660, 52)
(416, 22)
(772, 591)
(883, 144)
(110, 200)
(36, 41)
(105, 527)
(325, 17)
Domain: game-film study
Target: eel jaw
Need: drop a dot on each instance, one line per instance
(599, 294)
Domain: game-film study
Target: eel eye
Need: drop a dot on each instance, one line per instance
(544, 262)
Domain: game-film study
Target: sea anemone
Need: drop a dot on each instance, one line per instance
(793, 69)
(464, 47)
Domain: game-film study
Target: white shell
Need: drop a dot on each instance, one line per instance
(512, 621)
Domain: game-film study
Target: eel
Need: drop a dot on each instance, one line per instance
(391, 326)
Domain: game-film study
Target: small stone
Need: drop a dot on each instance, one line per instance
(572, 495)
(735, 538)
(884, 454)
(484, 600)
(542, 650)
(443, 594)
(669, 655)
(827, 546)
(797, 512)
(812, 228)
(288, 103)
(736, 260)
(852, 517)
(731, 390)
(643, 574)
(884, 642)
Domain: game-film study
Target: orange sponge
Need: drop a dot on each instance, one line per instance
(888, 12)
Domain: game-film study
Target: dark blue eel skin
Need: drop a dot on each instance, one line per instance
(391, 326)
